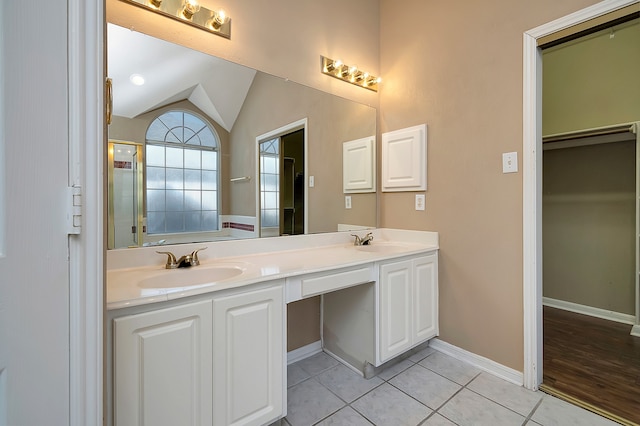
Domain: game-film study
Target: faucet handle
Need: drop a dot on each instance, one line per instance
(357, 241)
(172, 262)
(194, 256)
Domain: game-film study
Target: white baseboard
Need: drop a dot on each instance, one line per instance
(635, 330)
(589, 310)
(304, 352)
(485, 364)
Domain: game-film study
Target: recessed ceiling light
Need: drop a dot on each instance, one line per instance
(137, 79)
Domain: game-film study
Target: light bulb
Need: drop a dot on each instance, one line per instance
(189, 8)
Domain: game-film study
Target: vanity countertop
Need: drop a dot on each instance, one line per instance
(249, 262)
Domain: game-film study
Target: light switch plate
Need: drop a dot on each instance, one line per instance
(312, 181)
(509, 162)
(420, 201)
(347, 201)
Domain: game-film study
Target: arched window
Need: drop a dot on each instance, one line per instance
(182, 174)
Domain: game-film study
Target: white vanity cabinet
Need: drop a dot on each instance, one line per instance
(408, 304)
(163, 371)
(218, 360)
(249, 357)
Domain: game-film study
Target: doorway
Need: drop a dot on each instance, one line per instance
(589, 269)
(532, 175)
(282, 196)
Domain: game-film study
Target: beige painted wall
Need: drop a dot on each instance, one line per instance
(457, 66)
(272, 103)
(592, 82)
(589, 224)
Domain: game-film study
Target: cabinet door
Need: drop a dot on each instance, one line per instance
(248, 363)
(395, 308)
(162, 367)
(425, 320)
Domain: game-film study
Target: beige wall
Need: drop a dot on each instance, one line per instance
(589, 223)
(283, 38)
(457, 66)
(272, 103)
(592, 82)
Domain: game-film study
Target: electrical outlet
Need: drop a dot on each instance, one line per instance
(347, 201)
(420, 201)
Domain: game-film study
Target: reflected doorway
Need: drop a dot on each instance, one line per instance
(125, 228)
(282, 195)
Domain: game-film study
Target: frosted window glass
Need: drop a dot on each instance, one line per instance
(155, 200)
(270, 183)
(194, 123)
(192, 221)
(207, 138)
(209, 180)
(155, 222)
(174, 157)
(209, 220)
(175, 178)
(209, 200)
(270, 200)
(157, 131)
(192, 179)
(155, 155)
(173, 119)
(270, 218)
(209, 160)
(270, 165)
(175, 222)
(192, 200)
(189, 137)
(192, 159)
(175, 200)
(155, 177)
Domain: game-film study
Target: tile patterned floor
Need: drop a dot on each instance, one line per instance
(429, 388)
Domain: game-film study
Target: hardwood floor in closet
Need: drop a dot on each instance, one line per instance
(593, 360)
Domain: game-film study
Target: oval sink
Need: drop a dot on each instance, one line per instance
(193, 276)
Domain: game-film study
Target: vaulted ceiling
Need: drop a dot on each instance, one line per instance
(172, 73)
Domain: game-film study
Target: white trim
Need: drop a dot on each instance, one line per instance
(635, 330)
(304, 352)
(532, 177)
(484, 364)
(86, 255)
(589, 310)
(3, 166)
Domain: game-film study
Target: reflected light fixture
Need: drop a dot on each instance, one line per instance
(136, 79)
(351, 74)
(190, 12)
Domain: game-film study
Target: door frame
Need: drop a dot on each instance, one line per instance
(86, 26)
(281, 131)
(532, 181)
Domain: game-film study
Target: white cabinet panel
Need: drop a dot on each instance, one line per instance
(408, 304)
(395, 308)
(248, 362)
(163, 373)
(426, 298)
(359, 165)
(404, 159)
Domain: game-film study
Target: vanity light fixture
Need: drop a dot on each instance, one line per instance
(351, 74)
(189, 12)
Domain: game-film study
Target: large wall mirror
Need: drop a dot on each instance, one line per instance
(202, 149)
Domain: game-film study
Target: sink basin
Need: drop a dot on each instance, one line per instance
(192, 276)
(383, 248)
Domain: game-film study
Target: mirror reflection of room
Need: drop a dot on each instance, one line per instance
(182, 200)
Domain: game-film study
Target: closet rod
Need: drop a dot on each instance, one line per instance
(617, 133)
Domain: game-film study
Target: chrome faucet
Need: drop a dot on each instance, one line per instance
(364, 241)
(184, 261)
